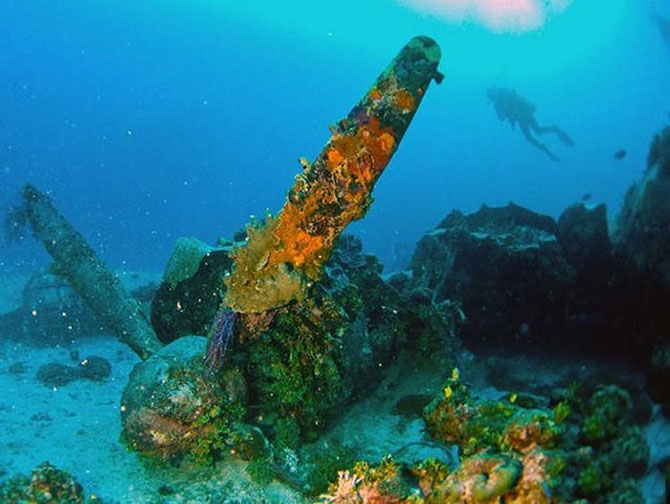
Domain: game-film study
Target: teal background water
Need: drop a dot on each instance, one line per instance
(151, 120)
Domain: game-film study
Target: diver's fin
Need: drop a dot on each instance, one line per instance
(549, 153)
(565, 138)
(537, 143)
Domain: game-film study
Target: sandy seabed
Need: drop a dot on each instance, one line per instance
(77, 427)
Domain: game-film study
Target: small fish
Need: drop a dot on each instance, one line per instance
(620, 154)
(587, 196)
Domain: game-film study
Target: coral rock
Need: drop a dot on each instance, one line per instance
(507, 267)
(47, 484)
(172, 405)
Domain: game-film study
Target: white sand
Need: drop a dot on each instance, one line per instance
(76, 427)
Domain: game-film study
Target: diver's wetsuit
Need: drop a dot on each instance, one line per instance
(513, 107)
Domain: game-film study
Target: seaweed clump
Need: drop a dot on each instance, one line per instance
(317, 356)
(293, 367)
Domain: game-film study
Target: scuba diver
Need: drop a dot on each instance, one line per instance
(515, 108)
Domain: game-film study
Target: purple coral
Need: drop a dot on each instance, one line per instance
(221, 334)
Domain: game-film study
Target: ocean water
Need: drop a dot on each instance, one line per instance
(149, 121)
(129, 112)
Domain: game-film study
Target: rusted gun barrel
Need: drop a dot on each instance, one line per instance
(100, 289)
(286, 254)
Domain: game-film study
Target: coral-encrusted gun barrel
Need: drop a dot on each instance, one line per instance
(283, 256)
(100, 289)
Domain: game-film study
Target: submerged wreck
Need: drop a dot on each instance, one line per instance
(253, 348)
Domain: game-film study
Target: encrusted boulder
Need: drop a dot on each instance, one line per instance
(46, 484)
(191, 291)
(92, 368)
(54, 374)
(598, 311)
(583, 234)
(507, 268)
(642, 243)
(95, 368)
(173, 405)
(642, 233)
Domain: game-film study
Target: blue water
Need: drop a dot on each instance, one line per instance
(151, 120)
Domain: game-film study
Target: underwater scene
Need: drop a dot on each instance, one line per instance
(379, 251)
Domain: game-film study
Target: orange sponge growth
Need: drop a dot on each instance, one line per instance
(282, 258)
